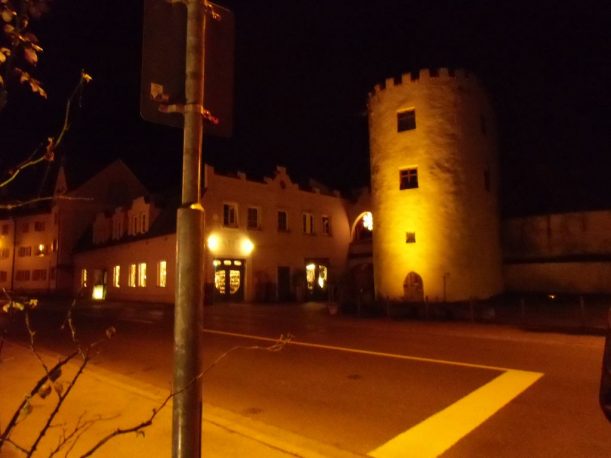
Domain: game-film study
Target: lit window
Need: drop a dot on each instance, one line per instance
(98, 292)
(219, 280)
(406, 120)
(408, 178)
(326, 225)
(234, 281)
(252, 218)
(322, 276)
(116, 276)
(230, 215)
(131, 280)
(142, 274)
(317, 276)
(83, 278)
(162, 274)
(41, 250)
(308, 223)
(311, 275)
(283, 221)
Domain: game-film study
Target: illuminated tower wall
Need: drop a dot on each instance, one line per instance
(438, 238)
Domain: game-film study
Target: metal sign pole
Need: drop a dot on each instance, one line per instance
(187, 407)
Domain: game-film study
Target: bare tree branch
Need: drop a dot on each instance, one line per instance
(17, 446)
(134, 429)
(19, 203)
(54, 370)
(277, 346)
(52, 143)
(80, 428)
(60, 402)
(32, 335)
(51, 374)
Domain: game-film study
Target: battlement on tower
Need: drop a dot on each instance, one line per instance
(425, 76)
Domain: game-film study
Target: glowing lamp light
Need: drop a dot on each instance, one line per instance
(246, 247)
(368, 221)
(98, 292)
(214, 242)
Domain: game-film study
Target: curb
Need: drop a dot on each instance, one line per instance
(272, 437)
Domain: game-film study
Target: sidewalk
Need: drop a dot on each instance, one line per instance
(103, 401)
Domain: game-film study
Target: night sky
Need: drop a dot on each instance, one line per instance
(303, 71)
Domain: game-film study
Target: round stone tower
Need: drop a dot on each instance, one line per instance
(434, 186)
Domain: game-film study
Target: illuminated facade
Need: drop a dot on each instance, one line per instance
(37, 244)
(265, 240)
(434, 189)
(428, 228)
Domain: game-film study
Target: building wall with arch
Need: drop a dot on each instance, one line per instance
(446, 228)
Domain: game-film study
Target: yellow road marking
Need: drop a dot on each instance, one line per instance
(439, 432)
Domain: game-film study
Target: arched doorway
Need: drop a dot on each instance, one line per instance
(362, 229)
(413, 290)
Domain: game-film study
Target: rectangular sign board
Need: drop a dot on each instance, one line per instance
(164, 64)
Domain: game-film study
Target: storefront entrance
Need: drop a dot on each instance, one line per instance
(317, 278)
(228, 280)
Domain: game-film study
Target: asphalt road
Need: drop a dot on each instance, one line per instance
(373, 385)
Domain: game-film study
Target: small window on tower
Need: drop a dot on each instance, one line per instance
(410, 237)
(406, 120)
(408, 178)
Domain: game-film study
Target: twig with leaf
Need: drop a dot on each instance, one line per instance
(19, 47)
